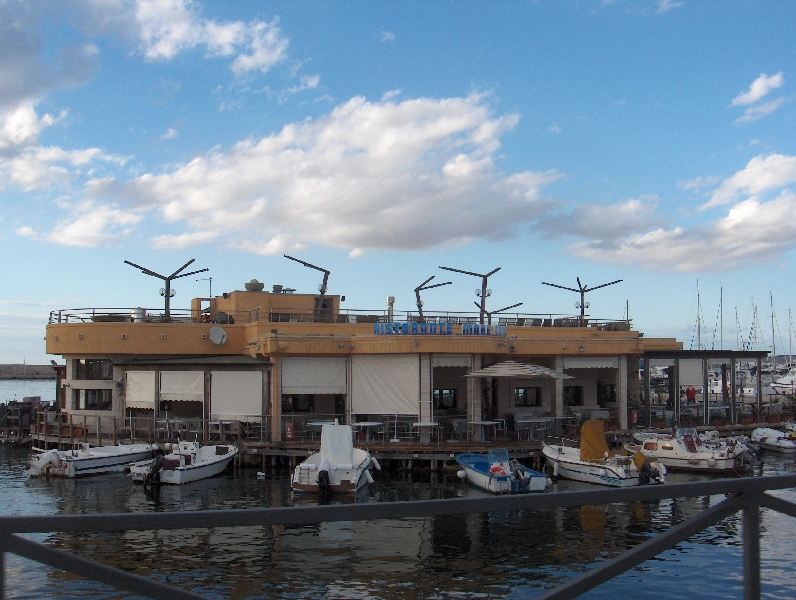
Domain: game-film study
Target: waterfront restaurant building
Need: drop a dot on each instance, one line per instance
(283, 361)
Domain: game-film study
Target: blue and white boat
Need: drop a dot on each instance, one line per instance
(495, 472)
(88, 460)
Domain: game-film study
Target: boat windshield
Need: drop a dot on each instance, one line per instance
(498, 455)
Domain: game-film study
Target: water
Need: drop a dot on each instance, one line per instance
(17, 389)
(497, 555)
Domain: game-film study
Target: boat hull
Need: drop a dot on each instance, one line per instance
(566, 463)
(706, 456)
(476, 468)
(343, 479)
(176, 472)
(89, 460)
(774, 440)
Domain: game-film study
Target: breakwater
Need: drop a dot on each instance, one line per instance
(27, 372)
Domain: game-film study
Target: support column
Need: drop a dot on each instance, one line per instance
(676, 391)
(733, 393)
(426, 397)
(751, 552)
(621, 391)
(705, 394)
(759, 387)
(648, 390)
(558, 393)
(474, 401)
(276, 398)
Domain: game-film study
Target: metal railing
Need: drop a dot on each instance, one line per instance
(747, 495)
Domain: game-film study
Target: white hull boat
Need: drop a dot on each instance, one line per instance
(88, 460)
(496, 473)
(786, 384)
(338, 468)
(774, 440)
(593, 463)
(686, 451)
(187, 462)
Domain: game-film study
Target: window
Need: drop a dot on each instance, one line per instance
(298, 403)
(93, 369)
(528, 396)
(573, 395)
(93, 399)
(444, 399)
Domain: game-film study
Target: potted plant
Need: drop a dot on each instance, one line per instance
(718, 421)
(773, 418)
(745, 419)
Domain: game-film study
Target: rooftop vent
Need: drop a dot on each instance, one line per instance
(254, 286)
(277, 288)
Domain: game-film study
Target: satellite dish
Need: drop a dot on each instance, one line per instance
(218, 336)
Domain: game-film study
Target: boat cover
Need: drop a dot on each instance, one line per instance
(592, 440)
(337, 444)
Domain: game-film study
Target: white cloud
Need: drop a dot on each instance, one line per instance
(185, 240)
(306, 82)
(665, 6)
(387, 36)
(699, 183)
(170, 134)
(753, 113)
(168, 27)
(761, 174)
(604, 224)
(94, 225)
(554, 129)
(759, 88)
(401, 175)
(25, 232)
(753, 232)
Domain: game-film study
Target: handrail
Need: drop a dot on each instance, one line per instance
(746, 494)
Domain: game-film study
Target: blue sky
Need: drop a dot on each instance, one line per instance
(651, 141)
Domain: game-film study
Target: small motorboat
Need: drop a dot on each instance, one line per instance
(786, 384)
(338, 468)
(495, 472)
(685, 450)
(187, 462)
(592, 462)
(774, 440)
(88, 460)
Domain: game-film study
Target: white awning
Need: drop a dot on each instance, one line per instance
(511, 368)
(139, 392)
(313, 375)
(452, 360)
(236, 395)
(591, 362)
(385, 384)
(187, 386)
(691, 372)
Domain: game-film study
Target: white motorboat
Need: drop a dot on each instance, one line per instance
(594, 463)
(687, 451)
(495, 472)
(786, 384)
(338, 468)
(88, 460)
(774, 440)
(187, 462)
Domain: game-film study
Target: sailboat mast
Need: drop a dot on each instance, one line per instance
(721, 318)
(699, 320)
(773, 336)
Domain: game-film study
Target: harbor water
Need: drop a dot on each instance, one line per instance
(496, 555)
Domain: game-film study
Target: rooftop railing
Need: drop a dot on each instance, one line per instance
(283, 315)
(747, 495)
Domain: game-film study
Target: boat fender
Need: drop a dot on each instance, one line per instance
(555, 468)
(621, 472)
(375, 463)
(496, 470)
(711, 462)
(368, 476)
(461, 474)
(602, 471)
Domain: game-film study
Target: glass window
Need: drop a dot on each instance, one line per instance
(444, 398)
(93, 399)
(528, 396)
(93, 369)
(573, 395)
(297, 403)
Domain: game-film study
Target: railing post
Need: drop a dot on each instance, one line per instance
(751, 552)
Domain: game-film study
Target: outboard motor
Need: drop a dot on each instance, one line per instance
(154, 471)
(648, 474)
(516, 470)
(324, 485)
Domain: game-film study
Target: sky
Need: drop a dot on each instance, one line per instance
(652, 141)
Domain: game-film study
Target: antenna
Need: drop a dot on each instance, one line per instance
(210, 279)
(322, 286)
(494, 312)
(167, 292)
(582, 289)
(422, 287)
(483, 293)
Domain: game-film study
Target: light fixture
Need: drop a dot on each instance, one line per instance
(581, 348)
(124, 336)
(414, 343)
(162, 336)
(80, 336)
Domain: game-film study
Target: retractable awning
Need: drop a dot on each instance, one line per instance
(516, 370)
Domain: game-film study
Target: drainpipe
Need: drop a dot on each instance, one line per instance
(390, 304)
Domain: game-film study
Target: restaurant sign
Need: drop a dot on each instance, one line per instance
(436, 329)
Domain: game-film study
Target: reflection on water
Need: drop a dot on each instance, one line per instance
(495, 555)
